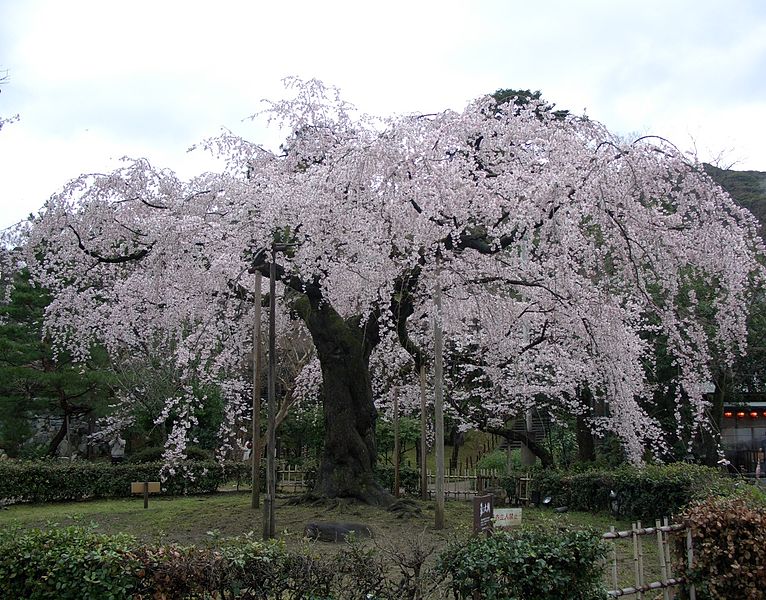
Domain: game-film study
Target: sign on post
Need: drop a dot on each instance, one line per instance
(145, 488)
(507, 518)
(482, 513)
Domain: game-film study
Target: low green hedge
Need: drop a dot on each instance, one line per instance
(78, 563)
(652, 492)
(58, 481)
(527, 564)
(66, 563)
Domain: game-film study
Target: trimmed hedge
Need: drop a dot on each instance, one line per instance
(71, 563)
(52, 481)
(528, 565)
(652, 492)
(78, 563)
(729, 541)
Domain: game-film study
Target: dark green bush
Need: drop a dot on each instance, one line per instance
(729, 542)
(497, 461)
(72, 563)
(408, 477)
(526, 565)
(58, 481)
(652, 492)
(77, 563)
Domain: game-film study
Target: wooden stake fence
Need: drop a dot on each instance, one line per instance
(640, 586)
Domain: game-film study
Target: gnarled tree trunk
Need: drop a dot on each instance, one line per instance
(349, 454)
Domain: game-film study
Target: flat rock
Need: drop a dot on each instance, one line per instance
(335, 532)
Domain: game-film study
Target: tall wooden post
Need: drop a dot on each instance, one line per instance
(271, 446)
(439, 403)
(397, 443)
(68, 439)
(423, 428)
(527, 456)
(256, 455)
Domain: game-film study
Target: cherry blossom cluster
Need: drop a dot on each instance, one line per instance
(559, 249)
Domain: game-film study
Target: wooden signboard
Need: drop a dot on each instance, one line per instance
(482, 513)
(137, 487)
(145, 488)
(507, 518)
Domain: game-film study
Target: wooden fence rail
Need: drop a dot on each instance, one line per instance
(460, 484)
(667, 582)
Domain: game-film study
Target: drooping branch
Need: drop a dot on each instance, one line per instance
(402, 307)
(133, 256)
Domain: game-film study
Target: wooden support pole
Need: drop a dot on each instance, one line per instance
(615, 583)
(146, 494)
(397, 443)
(255, 500)
(439, 404)
(690, 562)
(271, 488)
(423, 429)
(640, 562)
(636, 573)
(668, 562)
(661, 555)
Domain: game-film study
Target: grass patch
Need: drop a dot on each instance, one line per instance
(203, 519)
(188, 519)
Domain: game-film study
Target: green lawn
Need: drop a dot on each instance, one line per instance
(202, 519)
(190, 518)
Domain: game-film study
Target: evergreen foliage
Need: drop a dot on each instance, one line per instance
(35, 381)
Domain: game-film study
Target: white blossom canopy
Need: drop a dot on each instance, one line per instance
(560, 251)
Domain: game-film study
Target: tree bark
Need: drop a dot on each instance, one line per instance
(709, 437)
(457, 439)
(349, 454)
(586, 447)
(58, 438)
(68, 410)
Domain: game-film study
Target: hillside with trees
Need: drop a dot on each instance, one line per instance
(747, 188)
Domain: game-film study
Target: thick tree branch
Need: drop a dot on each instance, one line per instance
(521, 436)
(312, 290)
(137, 255)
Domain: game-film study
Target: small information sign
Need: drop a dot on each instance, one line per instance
(507, 518)
(137, 487)
(145, 488)
(482, 513)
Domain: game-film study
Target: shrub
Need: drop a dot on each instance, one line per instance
(55, 481)
(729, 543)
(652, 492)
(528, 564)
(77, 563)
(71, 563)
(498, 461)
(408, 477)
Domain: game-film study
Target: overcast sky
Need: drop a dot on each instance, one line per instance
(94, 81)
